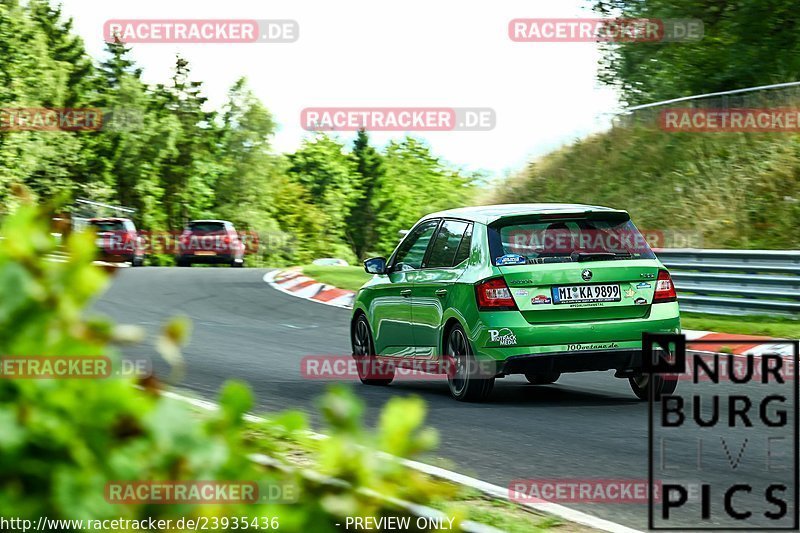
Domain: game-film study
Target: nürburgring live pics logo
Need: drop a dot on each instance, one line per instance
(723, 450)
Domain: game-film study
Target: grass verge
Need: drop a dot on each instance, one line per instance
(469, 504)
(768, 326)
(344, 277)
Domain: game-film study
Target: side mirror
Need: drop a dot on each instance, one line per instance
(376, 265)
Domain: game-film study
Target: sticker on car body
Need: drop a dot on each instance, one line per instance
(540, 299)
(504, 336)
(592, 346)
(511, 259)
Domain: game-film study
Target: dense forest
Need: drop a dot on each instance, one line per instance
(745, 43)
(163, 152)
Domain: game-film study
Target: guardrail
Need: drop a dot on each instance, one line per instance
(736, 282)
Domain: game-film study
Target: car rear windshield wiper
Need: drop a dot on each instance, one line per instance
(553, 259)
(593, 256)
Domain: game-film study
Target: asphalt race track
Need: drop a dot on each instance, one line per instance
(585, 426)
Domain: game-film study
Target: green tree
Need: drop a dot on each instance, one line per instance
(415, 183)
(178, 160)
(247, 187)
(34, 75)
(130, 152)
(189, 174)
(307, 222)
(328, 174)
(361, 220)
(67, 50)
(243, 190)
(745, 44)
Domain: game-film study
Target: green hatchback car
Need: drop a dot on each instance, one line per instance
(479, 293)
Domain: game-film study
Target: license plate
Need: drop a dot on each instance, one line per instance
(205, 253)
(586, 293)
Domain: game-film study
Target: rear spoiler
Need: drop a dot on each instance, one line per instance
(621, 216)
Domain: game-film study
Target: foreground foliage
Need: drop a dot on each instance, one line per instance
(62, 440)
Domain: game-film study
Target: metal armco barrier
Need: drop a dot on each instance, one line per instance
(736, 282)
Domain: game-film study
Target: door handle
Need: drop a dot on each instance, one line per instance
(405, 292)
(441, 292)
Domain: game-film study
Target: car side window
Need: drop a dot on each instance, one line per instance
(411, 253)
(446, 244)
(465, 247)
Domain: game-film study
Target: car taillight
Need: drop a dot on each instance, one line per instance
(494, 295)
(665, 289)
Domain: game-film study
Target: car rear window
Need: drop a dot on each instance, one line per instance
(206, 227)
(411, 252)
(446, 245)
(108, 225)
(566, 240)
(464, 247)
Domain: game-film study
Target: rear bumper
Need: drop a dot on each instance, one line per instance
(114, 257)
(503, 335)
(624, 359)
(207, 259)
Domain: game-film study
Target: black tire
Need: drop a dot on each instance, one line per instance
(543, 378)
(137, 261)
(183, 263)
(462, 378)
(663, 386)
(369, 372)
(236, 264)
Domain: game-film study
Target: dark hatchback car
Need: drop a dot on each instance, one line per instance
(118, 240)
(210, 242)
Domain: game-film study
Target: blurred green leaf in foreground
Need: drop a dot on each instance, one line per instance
(63, 440)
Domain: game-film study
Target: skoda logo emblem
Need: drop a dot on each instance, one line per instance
(586, 274)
